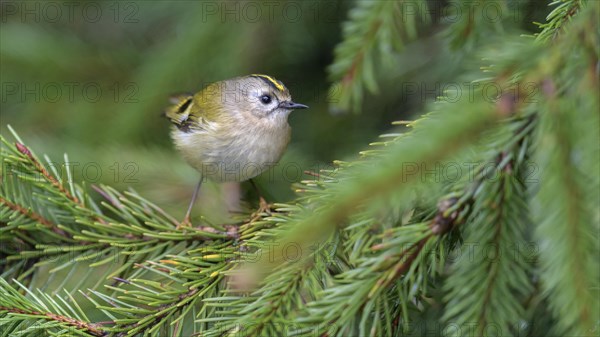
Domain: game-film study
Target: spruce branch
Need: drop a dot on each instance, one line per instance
(470, 25)
(385, 173)
(56, 318)
(265, 311)
(28, 213)
(374, 29)
(497, 219)
(569, 253)
(17, 310)
(60, 225)
(358, 291)
(41, 169)
(558, 18)
(567, 227)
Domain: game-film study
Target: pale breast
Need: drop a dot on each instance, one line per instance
(238, 154)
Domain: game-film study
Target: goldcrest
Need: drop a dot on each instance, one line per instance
(232, 130)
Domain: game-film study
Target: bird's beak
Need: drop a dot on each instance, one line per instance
(292, 105)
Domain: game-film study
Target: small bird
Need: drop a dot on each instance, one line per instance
(232, 130)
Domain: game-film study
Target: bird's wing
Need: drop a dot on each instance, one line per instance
(189, 112)
(179, 111)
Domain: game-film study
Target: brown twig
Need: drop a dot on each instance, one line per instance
(24, 150)
(416, 249)
(28, 213)
(90, 327)
(442, 222)
(34, 216)
(57, 184)
(314, 174)
(402, 265)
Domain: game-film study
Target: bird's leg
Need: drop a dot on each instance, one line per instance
(263, 204)
(232, 193)
(186, 221)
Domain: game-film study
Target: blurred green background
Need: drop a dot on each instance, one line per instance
(91, 79)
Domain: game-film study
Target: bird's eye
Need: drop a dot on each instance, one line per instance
(266, 99)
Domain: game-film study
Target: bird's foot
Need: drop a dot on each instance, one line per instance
(186, 222)
(263, 207)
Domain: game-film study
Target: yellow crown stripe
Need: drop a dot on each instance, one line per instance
(273, 81)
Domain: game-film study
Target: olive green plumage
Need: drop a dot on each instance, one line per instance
(235, 129)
